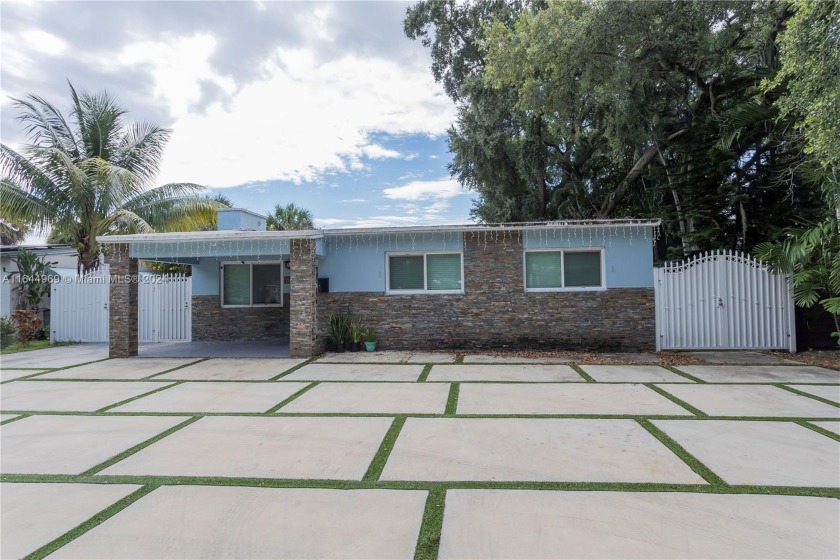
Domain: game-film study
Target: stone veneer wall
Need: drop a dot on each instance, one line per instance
(211, 321)
(303, 342)
(495, 311)
(122, 303)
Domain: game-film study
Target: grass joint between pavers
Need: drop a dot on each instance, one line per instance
(284, 402)
(686, 457)
(681, 373)
(428, 542)
(176, 368)
(142, 445)
(292, 369)
(86, 526)
(132, 399)
(818, 429)
(582, 373)
(424, 375)
(804, 394)
(452, 400)
(676, 400)
(381, 457)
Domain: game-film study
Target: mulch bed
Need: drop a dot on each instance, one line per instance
(822, 358)
(594, 358)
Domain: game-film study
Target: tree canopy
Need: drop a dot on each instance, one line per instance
(92, 174)
(600, 109)
(289, 217)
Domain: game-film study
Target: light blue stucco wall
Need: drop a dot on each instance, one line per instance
(628, 251)
(357, 263)
(237, 219)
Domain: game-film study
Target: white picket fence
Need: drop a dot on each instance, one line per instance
(79, 308)
(722, 300)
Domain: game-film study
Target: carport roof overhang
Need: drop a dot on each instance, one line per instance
(176, 246)
(248, 235)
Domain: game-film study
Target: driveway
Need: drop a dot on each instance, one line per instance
(423, 455)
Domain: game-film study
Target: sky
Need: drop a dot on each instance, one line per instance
(324, 104)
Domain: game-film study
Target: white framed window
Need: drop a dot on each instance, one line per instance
(429, 272)
(251, 284)
(561, 270)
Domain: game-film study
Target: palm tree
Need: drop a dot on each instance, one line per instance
(289, 217)
(92, 175)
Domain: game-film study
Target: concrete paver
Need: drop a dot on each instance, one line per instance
(119, 368)
(430, 358)
(9, 374)
(633, 374)
(355, 372)
(73, 444)
(539, 524)
(215, 396)
(213, 522)
(504, 372)
(532, 449)
(830, 426)
(762, 374)
(563, 398)
(81, 396)
(233, 369)
(830, 392)
(739, 357)
(750, 400)
(265, 447)
(385, 398)
(759, 453)
(4, 417)
(36, 514)
(56, 356)
(387, 357)
(490, 359)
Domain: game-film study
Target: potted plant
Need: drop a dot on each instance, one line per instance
(370, 340)
(357, 331)
(340, 329)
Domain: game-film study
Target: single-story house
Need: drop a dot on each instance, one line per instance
(563, 284)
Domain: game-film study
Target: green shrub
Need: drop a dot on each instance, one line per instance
(8, 333)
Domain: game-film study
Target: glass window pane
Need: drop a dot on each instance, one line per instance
(237, 288)
(443, 272)
(406, 273)
(582, 269)
(267, 284)
(542, 269)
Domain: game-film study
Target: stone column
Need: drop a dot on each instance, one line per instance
(303, 303)
(123, 303)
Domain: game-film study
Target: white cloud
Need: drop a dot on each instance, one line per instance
(177, 67)
(43, 42)
(354, 200)
(426, 190)
(302, 119)
(374, 151)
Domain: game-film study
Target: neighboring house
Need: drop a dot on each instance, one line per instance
(571, 284)
(64, 256)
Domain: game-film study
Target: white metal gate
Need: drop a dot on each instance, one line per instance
(164, 312)
(722, 300)
(79, 308)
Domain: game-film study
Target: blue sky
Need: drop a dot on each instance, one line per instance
(409, 189)
(324, 104)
